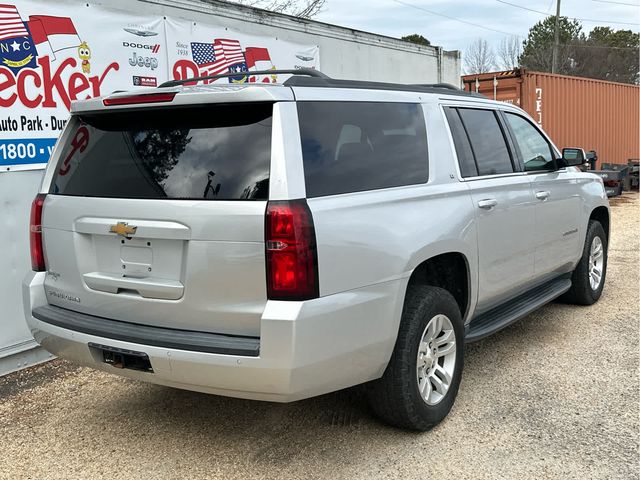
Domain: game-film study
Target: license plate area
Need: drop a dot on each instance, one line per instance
(137, 257)
(122, 358)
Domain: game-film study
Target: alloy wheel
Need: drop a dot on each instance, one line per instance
(436, 359)
(596, 263)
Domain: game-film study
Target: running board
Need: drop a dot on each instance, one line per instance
(504, 315)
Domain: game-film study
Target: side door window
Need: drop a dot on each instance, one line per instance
(487, 141)
(535, 150)
(466, 160)
(480, 142)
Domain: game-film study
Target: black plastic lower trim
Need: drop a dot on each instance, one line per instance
(504, 315)
(148, 335)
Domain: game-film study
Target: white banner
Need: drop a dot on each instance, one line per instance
(196, 49)
(53, 54)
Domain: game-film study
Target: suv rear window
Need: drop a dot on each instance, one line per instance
(213, 152)
(358, 146)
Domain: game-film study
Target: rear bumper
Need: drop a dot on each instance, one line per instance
(305, 348)
(147, 335)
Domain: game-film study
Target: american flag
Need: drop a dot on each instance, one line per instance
(216, 58)
(11, 25)
(202, 54)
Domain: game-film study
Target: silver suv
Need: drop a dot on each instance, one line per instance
(280, 241)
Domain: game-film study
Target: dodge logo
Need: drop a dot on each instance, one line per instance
(143, 46)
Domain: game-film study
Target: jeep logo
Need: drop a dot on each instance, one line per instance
(142, 46)
(148, 62)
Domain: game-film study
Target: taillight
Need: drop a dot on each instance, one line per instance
(142, 98)
(292, 256)
(35, 234)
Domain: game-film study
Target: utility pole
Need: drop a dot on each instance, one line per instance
(556, 39)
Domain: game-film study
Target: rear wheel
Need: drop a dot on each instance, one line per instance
(589, 276)
(422, 378)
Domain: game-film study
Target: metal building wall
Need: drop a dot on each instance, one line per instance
(574, 111)
(17, 347)
(344, 52)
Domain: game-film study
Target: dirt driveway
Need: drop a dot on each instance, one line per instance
(554, 396)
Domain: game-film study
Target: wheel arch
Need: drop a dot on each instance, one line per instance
(601, 214)
(449, 271)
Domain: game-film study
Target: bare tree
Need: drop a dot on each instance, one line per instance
(508, 52)
(297, 8)
(479, 57)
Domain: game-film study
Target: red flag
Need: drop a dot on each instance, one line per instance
(38, 35)
(58, 31)
(256, 54)
(55, 25)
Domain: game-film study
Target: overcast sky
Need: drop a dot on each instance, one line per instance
(402, 17)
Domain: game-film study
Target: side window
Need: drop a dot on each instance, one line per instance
(466, 161)
(358, 146)
(487, 141)
(534, 148)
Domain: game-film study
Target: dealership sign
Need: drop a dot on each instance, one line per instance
(51, 55)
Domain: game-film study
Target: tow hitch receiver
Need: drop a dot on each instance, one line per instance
(122, 358)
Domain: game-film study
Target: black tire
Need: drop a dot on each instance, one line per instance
(395, 397)
(581, 292)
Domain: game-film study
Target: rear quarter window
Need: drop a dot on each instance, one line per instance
(358, 146)
(212, 152)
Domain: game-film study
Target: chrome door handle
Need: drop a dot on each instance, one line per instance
(542, 195)
(487, 203)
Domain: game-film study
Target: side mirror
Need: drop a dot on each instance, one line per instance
(573, 157)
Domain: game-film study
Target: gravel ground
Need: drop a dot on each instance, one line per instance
(554, 396)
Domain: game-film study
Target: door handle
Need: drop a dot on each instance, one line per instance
(487, 203)
(542, 195)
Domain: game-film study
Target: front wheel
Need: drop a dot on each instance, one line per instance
(587, 280)
(422, 378)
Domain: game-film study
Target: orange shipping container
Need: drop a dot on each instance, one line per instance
(574, 111)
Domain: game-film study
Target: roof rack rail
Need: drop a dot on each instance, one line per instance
(309, 72)
(448, 86)
(437, 88)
